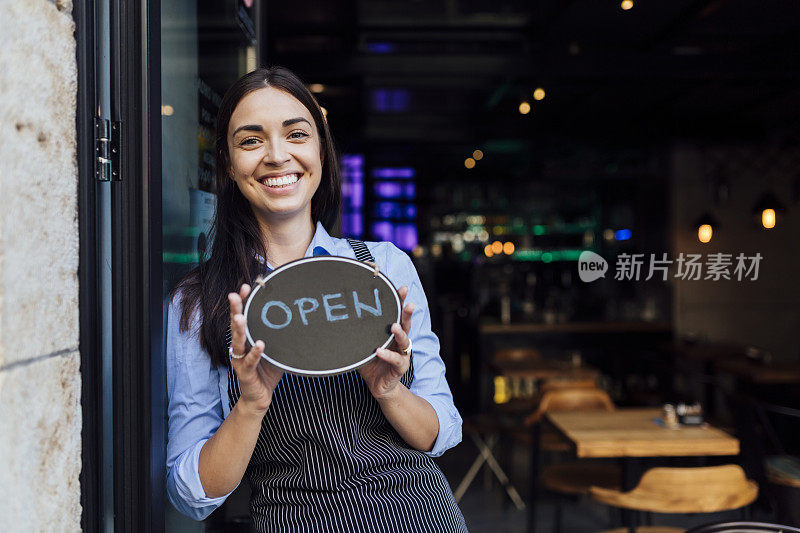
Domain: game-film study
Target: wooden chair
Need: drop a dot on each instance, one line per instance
(573, 478)
(684, 490)
(561, 383)
(647, 529)
(571, 399)
(515, 357)
(566, 399)
(740, 526)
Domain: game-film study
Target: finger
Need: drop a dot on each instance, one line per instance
(400, 336)
(405, 318)
(235, 301)
(254, 355)
(238, 323)
(396, 360)
(403, 292)
(244, 292)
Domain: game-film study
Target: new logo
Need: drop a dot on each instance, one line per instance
(591, 266)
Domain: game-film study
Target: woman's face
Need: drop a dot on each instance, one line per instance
(275, 154)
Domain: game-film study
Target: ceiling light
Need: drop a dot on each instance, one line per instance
(538, 94)
(477, 155)
(524, 108)
(469, 162)
(626, 4)
(316, 87)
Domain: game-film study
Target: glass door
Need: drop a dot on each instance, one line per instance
(205, 47)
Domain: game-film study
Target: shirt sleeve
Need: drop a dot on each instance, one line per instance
(195, 413)
(429, 371)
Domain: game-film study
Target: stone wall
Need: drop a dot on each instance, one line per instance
(40, 417)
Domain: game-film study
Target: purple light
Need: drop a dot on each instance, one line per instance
(411, 212)
(380, 48)
(357, 197)
(353, 194)
(393, 172)
(386, 210)
(390, 100)
(388, 189)
(353, 160)
(380, 100)
(410, 190)
(406, 236)
(383, 231)
(353, 224)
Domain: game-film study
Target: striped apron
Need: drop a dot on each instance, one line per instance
(327, 460)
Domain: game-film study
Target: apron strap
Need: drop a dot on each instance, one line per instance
(361, 250)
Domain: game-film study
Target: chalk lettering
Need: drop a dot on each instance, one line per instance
(329, 308)
(373, 310)
(301, 303)
(284, 308)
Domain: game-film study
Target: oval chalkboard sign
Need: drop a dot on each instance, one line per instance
(322, 315)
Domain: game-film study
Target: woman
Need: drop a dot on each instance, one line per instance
(350, 452)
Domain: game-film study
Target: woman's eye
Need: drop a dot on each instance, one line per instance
(298, 135)
(249, 141)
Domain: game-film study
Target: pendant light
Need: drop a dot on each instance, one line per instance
(705, 226)
(767, 210)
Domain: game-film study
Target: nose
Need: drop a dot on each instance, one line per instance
(276, 154)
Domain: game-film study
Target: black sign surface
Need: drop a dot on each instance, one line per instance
(322, 315)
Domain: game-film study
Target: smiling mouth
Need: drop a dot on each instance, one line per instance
(280, 181)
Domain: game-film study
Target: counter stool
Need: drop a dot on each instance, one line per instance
(708, 489)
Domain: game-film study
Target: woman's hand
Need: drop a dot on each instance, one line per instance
(257, 378)
(383, 373)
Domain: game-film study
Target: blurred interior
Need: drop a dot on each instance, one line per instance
(496, 142)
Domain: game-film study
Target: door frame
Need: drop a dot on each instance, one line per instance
(135, 428)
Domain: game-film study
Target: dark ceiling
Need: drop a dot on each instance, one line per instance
(455, 71)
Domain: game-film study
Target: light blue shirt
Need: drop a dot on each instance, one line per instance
(198, 392)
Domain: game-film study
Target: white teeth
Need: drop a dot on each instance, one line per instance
(282, 180)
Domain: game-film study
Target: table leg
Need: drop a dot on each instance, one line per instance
(486, 452)
(533, 481)
(630, 477)
(475, 468)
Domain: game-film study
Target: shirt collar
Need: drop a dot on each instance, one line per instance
(321, 244)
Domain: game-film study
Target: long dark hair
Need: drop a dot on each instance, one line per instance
(237, 237)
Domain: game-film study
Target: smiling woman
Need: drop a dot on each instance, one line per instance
(275, 160)
(351, 451)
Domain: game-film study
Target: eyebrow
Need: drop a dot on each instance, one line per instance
(257, 127)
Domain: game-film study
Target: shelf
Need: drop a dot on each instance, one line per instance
(575, 327)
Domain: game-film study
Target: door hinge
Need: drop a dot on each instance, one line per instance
(107, 137)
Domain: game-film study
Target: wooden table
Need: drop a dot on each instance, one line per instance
(634, 433)
(630, 434)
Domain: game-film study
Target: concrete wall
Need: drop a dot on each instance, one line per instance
(40, 417)
(766, 312)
